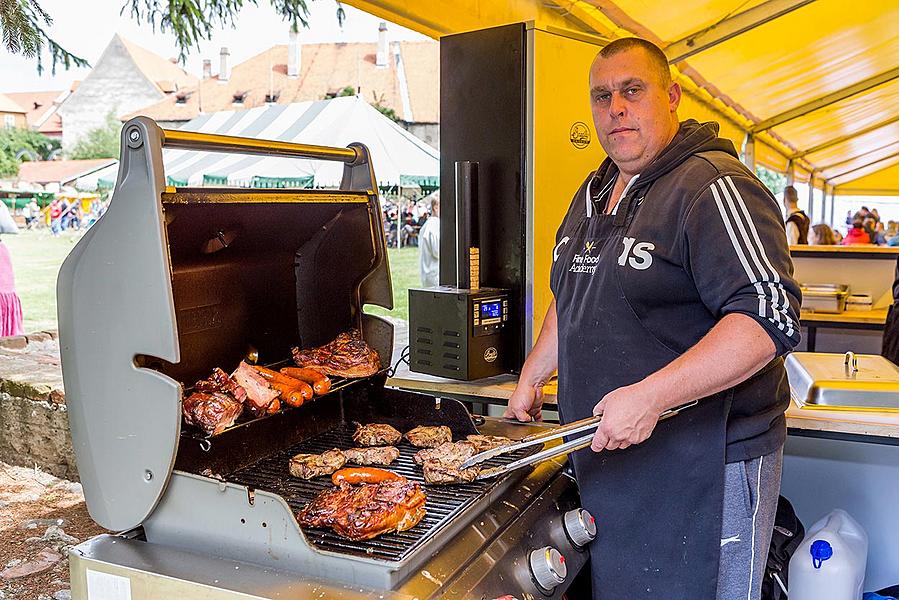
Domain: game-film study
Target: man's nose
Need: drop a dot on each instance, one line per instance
(617, 107)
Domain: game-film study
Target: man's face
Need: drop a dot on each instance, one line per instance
(634, 112)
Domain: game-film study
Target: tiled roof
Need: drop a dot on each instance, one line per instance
(8, 105)
(40, 109)
(164, 73)
(324, 69)
(60, 171)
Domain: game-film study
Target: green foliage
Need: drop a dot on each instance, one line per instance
(102, 142)
(387, 112)
(9, 166)
(22, 25)
(774, 181)
(347, 91)
(23, 144)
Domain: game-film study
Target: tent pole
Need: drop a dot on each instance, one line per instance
(811, 196)
(833, 202)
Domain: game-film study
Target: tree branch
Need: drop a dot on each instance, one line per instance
(22, 25)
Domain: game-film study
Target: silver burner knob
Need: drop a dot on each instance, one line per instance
(580, 527)
(548, 567)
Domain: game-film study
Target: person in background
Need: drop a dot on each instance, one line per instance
(797, 221)
(56, 208)
(35, 212)
(10, 306)
(429, 247)
(821, 235)
(870, 224)
(856, 234)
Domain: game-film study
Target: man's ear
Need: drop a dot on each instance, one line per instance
(674, 94)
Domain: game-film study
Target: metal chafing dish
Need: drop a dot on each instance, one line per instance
(850, 381)
(824, 297)
(172, 282)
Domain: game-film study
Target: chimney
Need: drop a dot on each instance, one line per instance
(293, 54)
(381, 60)
(224, 73)
(207, 68)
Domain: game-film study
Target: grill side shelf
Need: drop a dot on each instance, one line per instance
(444, 503)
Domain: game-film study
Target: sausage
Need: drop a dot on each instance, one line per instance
(274, 407)
(319, 381)
(274, 376)
(363, 475)
(293, 395)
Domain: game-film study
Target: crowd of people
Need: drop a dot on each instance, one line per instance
(864, 227)
(403, 221)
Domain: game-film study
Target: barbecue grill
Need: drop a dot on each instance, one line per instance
(172, 282)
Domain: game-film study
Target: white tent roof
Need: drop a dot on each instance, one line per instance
(336, 122)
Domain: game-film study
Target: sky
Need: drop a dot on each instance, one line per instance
(85, 27)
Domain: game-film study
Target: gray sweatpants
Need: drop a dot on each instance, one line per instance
(751, 489)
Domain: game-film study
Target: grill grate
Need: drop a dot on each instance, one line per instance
(444, 503)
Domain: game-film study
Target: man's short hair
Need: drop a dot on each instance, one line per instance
(435, 203)
(656, 56)
(791, 195)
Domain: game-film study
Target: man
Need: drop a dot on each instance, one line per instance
(797, 221)
(429, 246)
(672, 282)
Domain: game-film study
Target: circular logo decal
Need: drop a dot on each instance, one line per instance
(490, 354)
(579, 136)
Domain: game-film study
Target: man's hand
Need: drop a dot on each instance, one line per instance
(526, 403)
(628, 417)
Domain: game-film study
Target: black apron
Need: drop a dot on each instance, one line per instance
(658, 505)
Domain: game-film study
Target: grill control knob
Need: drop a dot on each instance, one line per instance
(580, 527)
(548, 567)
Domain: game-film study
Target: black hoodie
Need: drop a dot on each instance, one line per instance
(718, 247)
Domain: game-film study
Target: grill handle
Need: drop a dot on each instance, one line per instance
(210, 142)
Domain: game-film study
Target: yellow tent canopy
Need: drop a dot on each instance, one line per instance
(814, 82)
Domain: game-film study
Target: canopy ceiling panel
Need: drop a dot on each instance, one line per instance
(850, 163)
(847, 176)
(881, 183)
(674, 20)
(856, 146)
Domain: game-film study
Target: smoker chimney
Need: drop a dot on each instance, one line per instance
(207, 68)
(224, 73)
(381, 59)
(293, 54)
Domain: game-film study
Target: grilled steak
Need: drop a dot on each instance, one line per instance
(437, 472)
(219, 381)
(365, 511)
(379, 455)
(213, 413)
(307, 466)
(447, 452)
(482, 443)
(376, 434)
(259, 393)
(429, 437)
(346, 356)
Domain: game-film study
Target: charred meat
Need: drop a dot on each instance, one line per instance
(213, 413)
(376, 434)
(346, 356)
(438, 473)
(260, 393)
(365, 511)
(482, 443)
(429, 437)
(221, 382)
(447, 452)
(307, 466)
(379, 455)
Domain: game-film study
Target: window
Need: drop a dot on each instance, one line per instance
(272, 97)
(9, 121)
(239, 97)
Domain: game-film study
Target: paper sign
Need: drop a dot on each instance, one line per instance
(103, 586)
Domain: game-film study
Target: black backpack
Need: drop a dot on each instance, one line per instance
(788, 534)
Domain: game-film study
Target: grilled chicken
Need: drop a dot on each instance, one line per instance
(447, 452)
(213, 413)
(365, 511)
(437, 472)
(307, 466)
(376, 434)
(429, 437)
(346, 356)
(260, 394)
(219, 381)
(482, 443)
(379, 455)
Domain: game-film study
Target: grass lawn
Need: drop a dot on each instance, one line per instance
(37, 256)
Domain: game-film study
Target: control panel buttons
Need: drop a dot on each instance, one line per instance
(548, 567)
(580, 527)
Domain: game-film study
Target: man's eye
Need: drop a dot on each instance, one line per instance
(631, 91)
(603, 97)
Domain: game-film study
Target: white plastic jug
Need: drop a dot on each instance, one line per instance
(830, 562)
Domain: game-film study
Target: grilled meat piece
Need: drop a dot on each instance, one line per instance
(447, 452)
(379, 455)
(221, 382)
(365, 511)
(441, 473)
(213, 413)
(429, 437)
(376, 434)
(482, 443)
(260, 394)
(307, 466)
(346, 356)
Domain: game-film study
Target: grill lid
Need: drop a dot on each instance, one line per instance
(147, 304)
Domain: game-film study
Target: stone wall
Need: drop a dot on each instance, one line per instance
(34, 426)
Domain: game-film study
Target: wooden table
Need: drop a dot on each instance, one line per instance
(872, 320)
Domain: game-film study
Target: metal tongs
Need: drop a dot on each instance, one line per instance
(545, 436)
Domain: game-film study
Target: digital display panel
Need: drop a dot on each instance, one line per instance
(491, 310)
